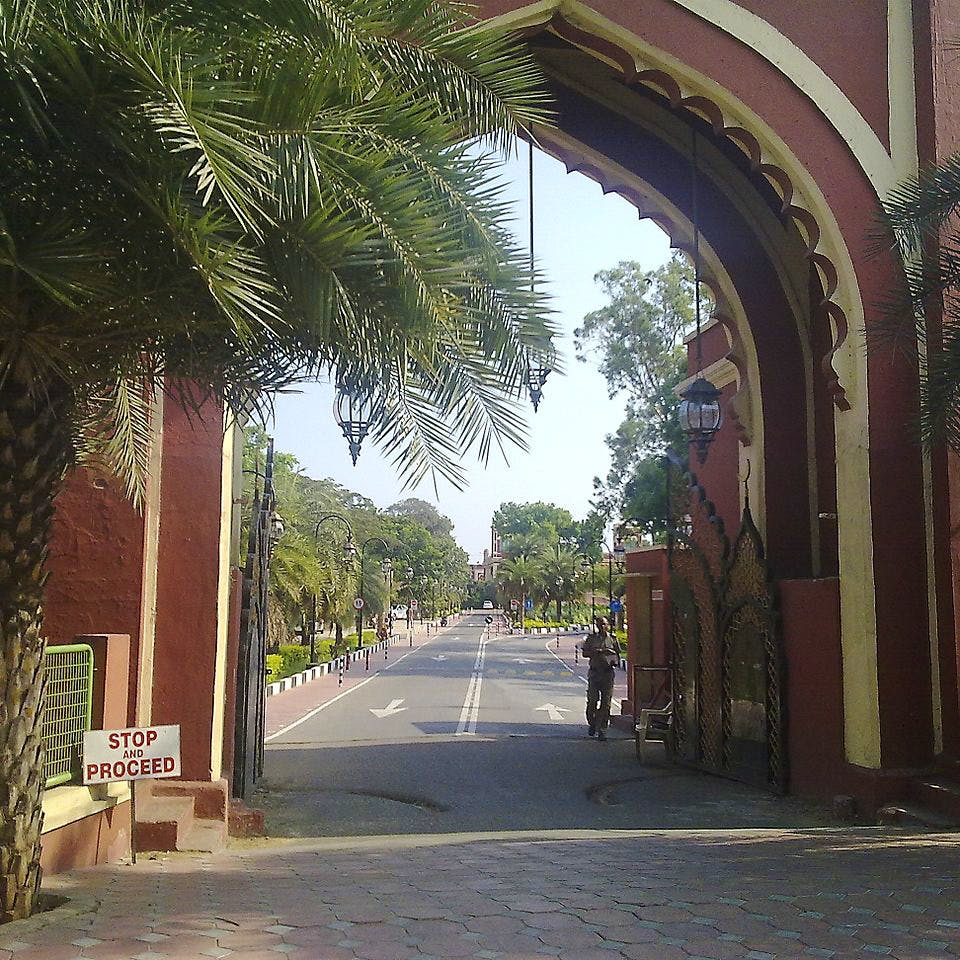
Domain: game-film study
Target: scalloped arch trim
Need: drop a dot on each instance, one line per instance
(793, 206)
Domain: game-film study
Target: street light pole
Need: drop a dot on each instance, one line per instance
(363, 549)
(349, 552)
(584, 563)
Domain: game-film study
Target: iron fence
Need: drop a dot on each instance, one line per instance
(67, 710)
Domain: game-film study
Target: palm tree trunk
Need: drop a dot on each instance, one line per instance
(34, 453)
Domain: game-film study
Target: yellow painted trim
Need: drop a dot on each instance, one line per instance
(857, 584)
(228, 447)
(901, 85)
(69, 803)
(764, 39)
(151, 552)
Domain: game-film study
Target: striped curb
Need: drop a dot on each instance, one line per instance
(322, 669)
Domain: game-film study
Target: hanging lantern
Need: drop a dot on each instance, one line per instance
(536, 377)
(700, 414)
(356, 409)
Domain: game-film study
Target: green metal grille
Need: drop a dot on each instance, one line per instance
(66, 711)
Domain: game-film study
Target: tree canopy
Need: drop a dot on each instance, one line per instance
(637, 340)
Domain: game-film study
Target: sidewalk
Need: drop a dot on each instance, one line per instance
(758, 895)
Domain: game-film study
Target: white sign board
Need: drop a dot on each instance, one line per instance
(358, 603)
(414, 604)
(134, 753)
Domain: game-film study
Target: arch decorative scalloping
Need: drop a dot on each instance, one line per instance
(793, 207)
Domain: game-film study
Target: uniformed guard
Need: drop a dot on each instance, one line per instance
(603, 653)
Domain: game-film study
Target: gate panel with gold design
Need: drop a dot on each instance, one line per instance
(727, 656)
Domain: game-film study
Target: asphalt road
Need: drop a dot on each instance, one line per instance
(483, 732)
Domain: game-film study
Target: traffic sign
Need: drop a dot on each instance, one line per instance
(528, 604)
(414, 604)
(514, 604)
(616, 606)
(358, 603)
(131, 754)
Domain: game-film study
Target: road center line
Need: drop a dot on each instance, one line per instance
(470, 712)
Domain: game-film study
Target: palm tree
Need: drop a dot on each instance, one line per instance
(520, 577)
(920, 221)
(216, 198)
(560, 578)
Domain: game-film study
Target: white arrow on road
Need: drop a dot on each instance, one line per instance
(388, 711)
(440, 657)
(553, 711)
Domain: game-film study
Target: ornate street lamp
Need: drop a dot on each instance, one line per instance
(537, 374)
(348, 552)
(699, 413)
(385, 565)
(356, 409)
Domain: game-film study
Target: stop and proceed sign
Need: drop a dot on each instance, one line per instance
(133, 753)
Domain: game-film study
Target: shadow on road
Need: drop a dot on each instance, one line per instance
(508, 783)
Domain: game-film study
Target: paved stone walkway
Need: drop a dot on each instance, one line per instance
(662, 896)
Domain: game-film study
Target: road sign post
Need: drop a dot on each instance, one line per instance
(133, 753)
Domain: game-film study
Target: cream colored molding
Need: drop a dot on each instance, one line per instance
(225, 560)
(721, 373)
(67, 804)
(760, 36)
(901, 86)
(151, 553)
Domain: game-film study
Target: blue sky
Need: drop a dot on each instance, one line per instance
(578, 232)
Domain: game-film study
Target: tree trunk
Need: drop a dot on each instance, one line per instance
(34, 453)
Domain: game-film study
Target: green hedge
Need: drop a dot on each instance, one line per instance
(294, 658)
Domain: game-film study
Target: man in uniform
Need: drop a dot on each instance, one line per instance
(603, 653)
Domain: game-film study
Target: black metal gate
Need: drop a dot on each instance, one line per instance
(728, 666)
(251, 656)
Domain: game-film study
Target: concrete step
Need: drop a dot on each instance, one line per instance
(940, 795)
(915, 817)
(161, 821)
(204, 836)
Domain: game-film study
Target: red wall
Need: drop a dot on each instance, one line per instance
(95, 566)
(814, 667)
(187, 580)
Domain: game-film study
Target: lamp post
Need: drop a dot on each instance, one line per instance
(586, 562)
(349, 552)
(363, 550)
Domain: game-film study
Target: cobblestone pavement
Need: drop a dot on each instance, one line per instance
(656, 895)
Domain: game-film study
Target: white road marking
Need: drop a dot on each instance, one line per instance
(471, 703)
(389, 710)
(553, 711)
(521, 660)
(562, 662)
(340, 696)
(440, 657)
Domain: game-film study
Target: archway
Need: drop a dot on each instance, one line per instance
(792, 170)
